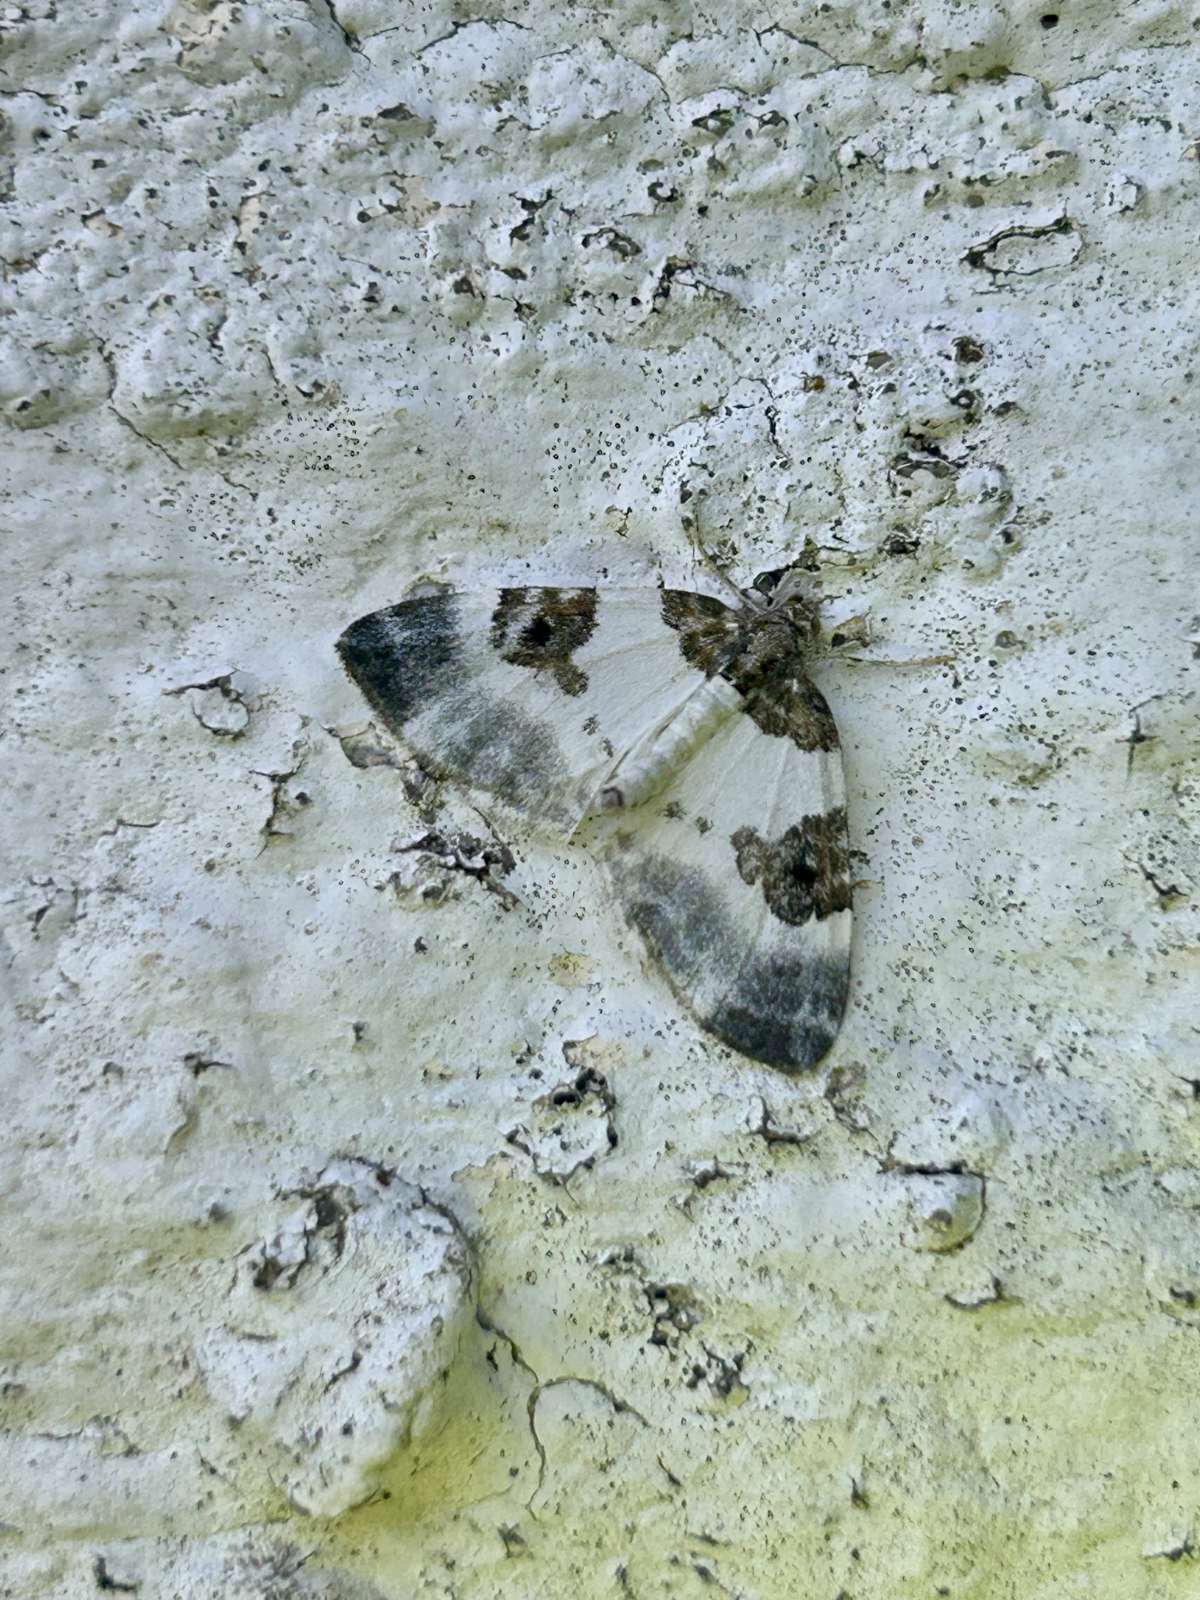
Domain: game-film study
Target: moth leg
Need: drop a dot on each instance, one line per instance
(884, 661)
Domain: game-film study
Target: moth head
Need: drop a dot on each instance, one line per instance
(792, 593)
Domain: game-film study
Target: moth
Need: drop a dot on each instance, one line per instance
(691, 730)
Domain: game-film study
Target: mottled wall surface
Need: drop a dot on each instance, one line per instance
(372, 1235)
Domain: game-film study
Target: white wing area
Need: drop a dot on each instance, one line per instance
(543, 731)
(773, 989)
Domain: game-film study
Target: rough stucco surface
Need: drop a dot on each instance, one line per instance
(371, 1235)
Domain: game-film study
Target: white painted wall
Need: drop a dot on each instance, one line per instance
(306, 302)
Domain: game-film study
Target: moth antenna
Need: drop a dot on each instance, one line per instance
(885, 661)
(713, 564)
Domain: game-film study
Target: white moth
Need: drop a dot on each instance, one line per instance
(693, 727)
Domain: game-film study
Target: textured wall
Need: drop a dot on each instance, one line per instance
(327, 1282)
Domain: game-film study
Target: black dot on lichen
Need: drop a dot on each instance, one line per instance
(1049, 19)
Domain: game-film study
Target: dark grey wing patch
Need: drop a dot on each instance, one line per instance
(404, 657)
(409, 662)
(497, 747)
(542, 628)
(805, 873)
(784, 1010)
(782, 1007)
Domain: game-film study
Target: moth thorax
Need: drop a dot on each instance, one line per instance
(773, 637)
(802, 613)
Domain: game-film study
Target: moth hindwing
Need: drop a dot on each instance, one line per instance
(692, 729)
